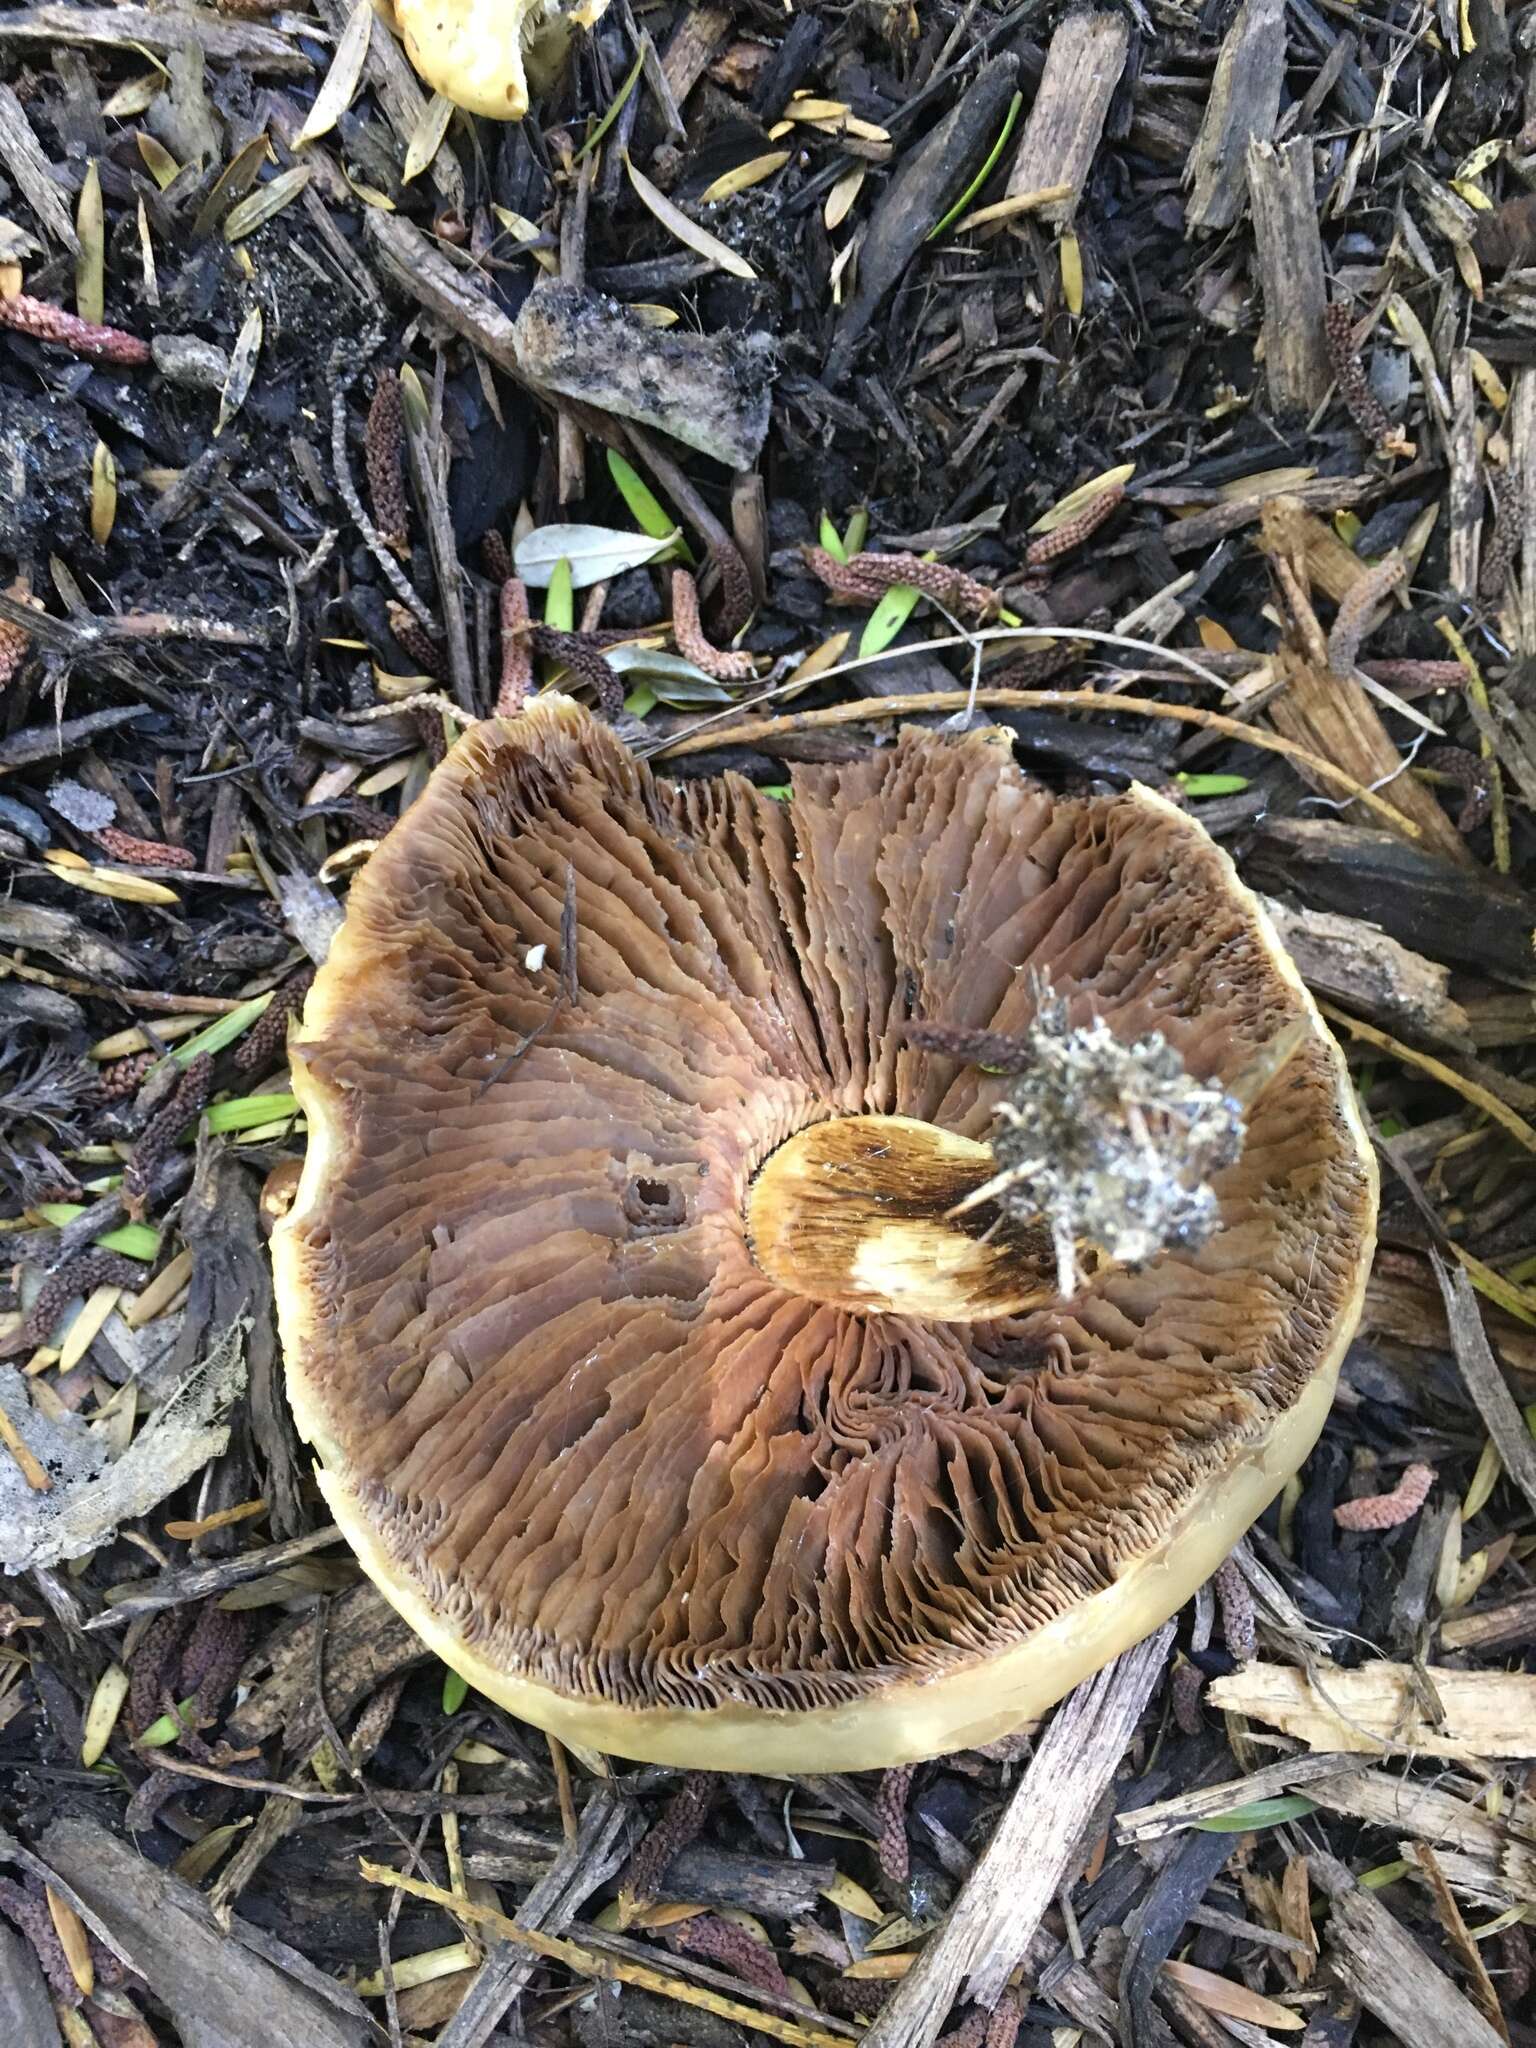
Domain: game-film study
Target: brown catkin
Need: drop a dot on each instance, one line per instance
(685, 1814)
(1061, 540)
(579, 653)
(1236, 1604)
(82, 337)
(29, 1911)
(417, 642)
(891, 1844)
(865, 578)
(121, 1079)
(153, 1664)
(737, 602)
(142, 853)
(82, 1275)
(1184, 1690)
(692, 644)
(382, 445)
(163, 1132)
(269, 1034)
(516, 648)
(1388, 1510)
(1364, 407)
(497, 557)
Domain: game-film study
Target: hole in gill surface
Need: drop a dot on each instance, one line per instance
(652, 1204)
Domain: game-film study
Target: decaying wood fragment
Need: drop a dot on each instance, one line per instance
(1242, 109)
(997, 1914)
(709, 392)
(1390, 1974)
(1382, 1708)
(1066, 122)
(929, 179)
(1357, 964)
(1333, 716)
(1290, 268)
(220, 1990)
(158, 31)
(1484, 1382)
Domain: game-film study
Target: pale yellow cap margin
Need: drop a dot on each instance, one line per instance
(905, 1722)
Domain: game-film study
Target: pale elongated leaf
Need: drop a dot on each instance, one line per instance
(687, 231)
(594, 553)
(341, 82)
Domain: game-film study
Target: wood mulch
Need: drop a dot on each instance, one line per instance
(1158, 382)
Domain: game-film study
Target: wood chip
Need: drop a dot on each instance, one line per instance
(1066, 122)
(1386, 1708)
(1242, 108)
(1289, 255)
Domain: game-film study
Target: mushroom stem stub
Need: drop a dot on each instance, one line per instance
(875, 1213)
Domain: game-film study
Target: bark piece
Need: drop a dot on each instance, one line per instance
(1484, 1382)
(1390, 1974)
(1242, 109)
(220, 1992)
(1335, 718)
(260, 49)
(1066, 122)
(1290, 269)
(916, 197)
(1383, 1709)
(26, 2011)
(1355, 963)
(366, 1642)
(22, 154)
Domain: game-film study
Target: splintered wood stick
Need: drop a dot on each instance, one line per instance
(1025, 1863)
(1066, 122)
(1243, 107)
(1290, 257)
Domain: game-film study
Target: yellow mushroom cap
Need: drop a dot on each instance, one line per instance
(472, 51)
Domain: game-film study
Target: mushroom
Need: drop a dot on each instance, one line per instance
(670, 1363)
(473, 51)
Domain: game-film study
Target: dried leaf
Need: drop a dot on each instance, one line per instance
(242, 369)
(340, 84)
(101, 1715)
(687, 231)
(841, 198)
(427, 136)
(1220, 1994)
(729, 183)
(103, 494)
(260, 205)
(91, 261)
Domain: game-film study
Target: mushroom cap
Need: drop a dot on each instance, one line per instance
(629, 1486)
(471, 51)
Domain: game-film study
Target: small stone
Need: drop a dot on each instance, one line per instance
(182, 358)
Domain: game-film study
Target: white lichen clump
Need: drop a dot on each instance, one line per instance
(1109, 1141)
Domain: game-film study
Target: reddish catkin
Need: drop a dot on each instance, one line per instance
(142, 853)
(418, 643)
(14, 642)
(1355, 608)
(865, 578)
(1388, 1510)
(688, 633)
(722, 1941)
(891, 1845)
(1184, 1690)
(582, 655)
(1003, 2028)
(382, 443)
(516, 653)
(971, 2032)
(82, 1275)
(1061, 540)
(685, 1814)
(1236, 1604)
(81, 337)
(1364, 407)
